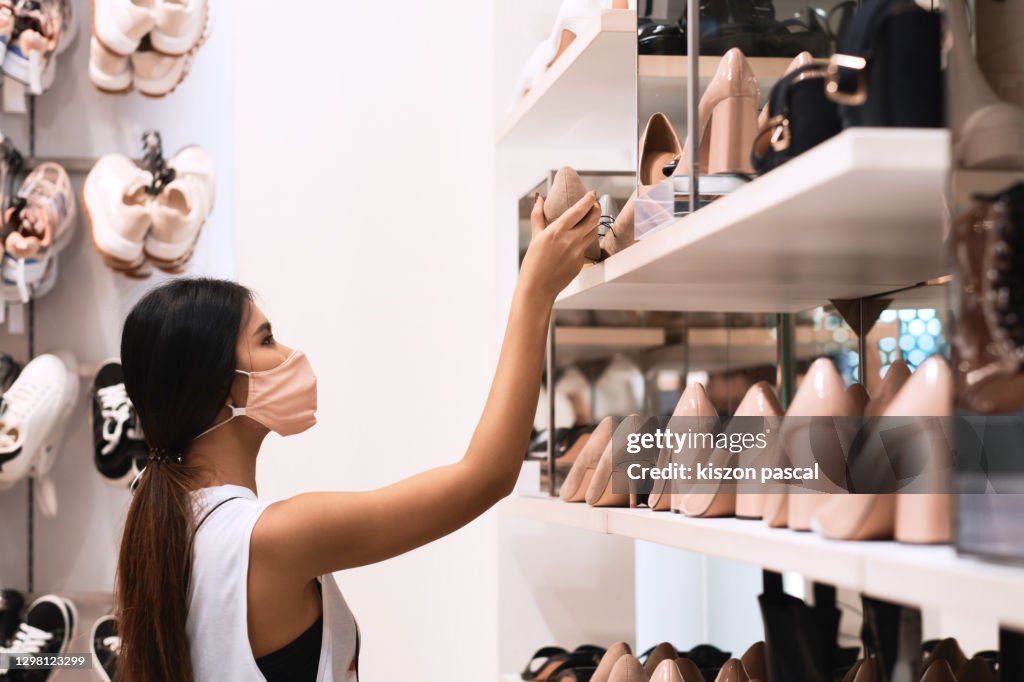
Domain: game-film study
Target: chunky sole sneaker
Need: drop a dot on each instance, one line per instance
(34, 416)
(121, 24)
(47, 630)
(118, 444)
(11, 604)
(106, 645)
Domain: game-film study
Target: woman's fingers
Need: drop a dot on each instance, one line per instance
(577, 212)
(537, 220)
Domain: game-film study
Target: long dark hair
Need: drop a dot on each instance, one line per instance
(178, 353)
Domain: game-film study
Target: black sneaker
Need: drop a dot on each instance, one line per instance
(105, 647)
(119, 450)
(11, 604)
(48, 628)
(9, 371)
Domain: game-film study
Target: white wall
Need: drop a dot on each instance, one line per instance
(364, 220)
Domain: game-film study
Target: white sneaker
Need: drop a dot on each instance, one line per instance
(121, 24)
(117, 208)
(181, 209)
(34, 415)
(109, 71)
(181, 25)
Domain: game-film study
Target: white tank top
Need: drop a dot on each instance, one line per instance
(217, 627)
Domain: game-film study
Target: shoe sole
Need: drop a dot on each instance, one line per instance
(189, 58)
(125, 267)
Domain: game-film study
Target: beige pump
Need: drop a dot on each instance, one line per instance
(574, 489)
(566, 190)
(726, 119)
(601, 492)
(699, 415)
(754, 662)
(627, 669)
(659, 654)
(608, 661)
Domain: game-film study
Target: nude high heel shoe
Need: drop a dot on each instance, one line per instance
(754, 664)
(802, 59)
(733, 671)
(859, 397)
(694, 402)
(822, 394)
(608, 661)
(695, 413)
(601, 492)
(988, 132)
(574, 488)
(947, 651)
(927, 517)
(668, 671)
(566, 190)
(688, 670)
(659, 654)
(726, 119)
(760, 401)
(627, 669)
(891, 384)
(939, 671)
(658, 155)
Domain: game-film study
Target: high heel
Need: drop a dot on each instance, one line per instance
(692, 403)
(627, 669)
(753, 661)
(801, 60)
(726, 119)
(891, 384)
(658, 655)
(822, 394)
(939, 671)
(988, 132)
(695, 413)
(566, 190)
(760, 401)
(733, 671)
(574, 489)
(601, 491)
(608, 661)
(927, 517)
(859, 397)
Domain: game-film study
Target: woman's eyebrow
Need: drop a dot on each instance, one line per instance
(263, 328)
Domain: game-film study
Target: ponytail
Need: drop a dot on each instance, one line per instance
(178, 354)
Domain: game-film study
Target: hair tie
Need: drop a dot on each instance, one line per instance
(165, 456)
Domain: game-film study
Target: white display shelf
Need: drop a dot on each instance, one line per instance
(924, 576)
(579, 102)
(859, 215)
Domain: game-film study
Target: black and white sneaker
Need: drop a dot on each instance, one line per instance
(11, 604)
(48, 628)
(119, 450)
(106, 645)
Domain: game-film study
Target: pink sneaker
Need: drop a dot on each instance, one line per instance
(117, 208)
(181, 209)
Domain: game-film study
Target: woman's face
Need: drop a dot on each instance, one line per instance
(255, 351)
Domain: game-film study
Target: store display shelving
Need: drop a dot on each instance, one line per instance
(579, 344)
(917, 575)
(857, 216)
(577, 102)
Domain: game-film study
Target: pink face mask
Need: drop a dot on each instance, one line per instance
(283, 399)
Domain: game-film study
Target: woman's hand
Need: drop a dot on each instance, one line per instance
(556, 251)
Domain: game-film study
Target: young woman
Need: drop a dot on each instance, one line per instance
(214, 585)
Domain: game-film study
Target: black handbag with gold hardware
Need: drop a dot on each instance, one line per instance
(801, 116)
(888, 71)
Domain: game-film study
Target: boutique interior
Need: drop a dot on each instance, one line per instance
(806, 210)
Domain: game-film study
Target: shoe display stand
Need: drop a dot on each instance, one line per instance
(852, 225)
(74, 554)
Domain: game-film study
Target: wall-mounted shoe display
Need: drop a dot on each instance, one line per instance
(37, 226)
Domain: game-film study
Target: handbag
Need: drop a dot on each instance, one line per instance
(888, 71)
(800, 117)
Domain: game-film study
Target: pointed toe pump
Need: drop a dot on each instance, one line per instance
(753, 660)
(658, 655)
(939, 671)
(574, 489)
(660, 151)
(666, 671)
(688, 670)
(609, 488)
(608, 661)
(822, 394)
(760, 401)
(891, 384)
(695, 413)
(566, 190)
(859, 397)
(733, 671)
(692, 403)
(727, 119)
(924, 516)
(627, 669)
